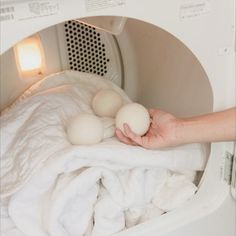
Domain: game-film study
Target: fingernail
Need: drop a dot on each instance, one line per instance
(126, 125)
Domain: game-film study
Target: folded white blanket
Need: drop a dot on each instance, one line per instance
(53, 188)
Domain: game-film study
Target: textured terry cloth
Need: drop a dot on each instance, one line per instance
(46, 181)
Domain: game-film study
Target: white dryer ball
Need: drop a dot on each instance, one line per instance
(106, 103)
(108, 127)
(136, 116)
(85, 129)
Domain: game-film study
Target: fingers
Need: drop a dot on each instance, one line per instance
(131, 138)
(123, 138)
(128, 137)
(131, 135)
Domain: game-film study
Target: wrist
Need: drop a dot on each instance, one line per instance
(179, 136)
(185, 131)
(194, 130)
(176, 131)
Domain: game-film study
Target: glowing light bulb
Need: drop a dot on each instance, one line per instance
(29, 57)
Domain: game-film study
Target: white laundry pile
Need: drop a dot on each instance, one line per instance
(49, 187)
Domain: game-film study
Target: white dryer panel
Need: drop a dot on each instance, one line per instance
(207, 28)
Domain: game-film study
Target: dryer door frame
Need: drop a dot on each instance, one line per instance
(213, 46)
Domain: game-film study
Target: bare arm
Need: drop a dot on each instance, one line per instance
(213, 127)
(167, 130)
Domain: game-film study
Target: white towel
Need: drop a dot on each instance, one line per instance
(51, 187)
(65, 203)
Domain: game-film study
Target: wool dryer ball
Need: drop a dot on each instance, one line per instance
(106, 103)
(85, 129)
(136, 116)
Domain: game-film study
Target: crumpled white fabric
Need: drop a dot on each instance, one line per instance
(50, 187)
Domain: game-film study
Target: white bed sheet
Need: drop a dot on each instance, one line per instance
(52, 187)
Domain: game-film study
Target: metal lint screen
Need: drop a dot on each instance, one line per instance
(86, 51)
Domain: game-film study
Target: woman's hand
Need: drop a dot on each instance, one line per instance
(161, 132)
(166, 130)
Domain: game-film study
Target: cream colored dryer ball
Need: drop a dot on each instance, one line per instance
(106, 103)
(136, 116)
(85, 129)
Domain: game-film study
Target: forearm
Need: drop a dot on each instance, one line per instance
(214, 127)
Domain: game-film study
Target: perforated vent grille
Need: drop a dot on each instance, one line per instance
(86, 51)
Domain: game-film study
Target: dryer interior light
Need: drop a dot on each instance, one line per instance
(29, 57)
